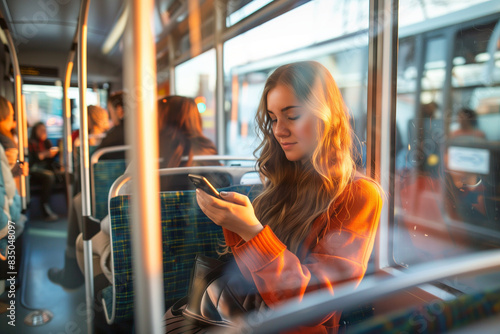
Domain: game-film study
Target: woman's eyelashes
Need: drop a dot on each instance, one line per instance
(291, 118)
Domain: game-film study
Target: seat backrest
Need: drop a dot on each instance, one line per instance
(186, 231)
(103, 173)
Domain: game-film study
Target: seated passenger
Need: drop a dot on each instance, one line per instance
(44, 170)
(180, 133)
(116, 135)
(467, 118)
(70, 276)
(314, 225)
(12, 221)
(98, 124)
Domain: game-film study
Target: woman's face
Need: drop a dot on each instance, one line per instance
(41, 132)
(294, 127)
(8, 123)
(114, 113)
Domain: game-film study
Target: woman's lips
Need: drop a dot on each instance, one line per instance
(287, 145)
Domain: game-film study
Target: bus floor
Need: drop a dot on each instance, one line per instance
(43, 246)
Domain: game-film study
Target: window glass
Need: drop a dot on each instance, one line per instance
(237, 10)
(44, 103)
(448, 115)
(331, 32)
(196, 78)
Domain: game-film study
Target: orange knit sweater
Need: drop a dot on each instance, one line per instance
(341, 254)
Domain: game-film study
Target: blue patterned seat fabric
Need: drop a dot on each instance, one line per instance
(105, 174)
(186, 231)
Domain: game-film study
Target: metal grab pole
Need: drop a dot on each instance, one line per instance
(142, 136)
(68, 143)
(18, 110)
(84, 160)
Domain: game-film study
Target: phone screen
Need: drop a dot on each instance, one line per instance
(202, 183)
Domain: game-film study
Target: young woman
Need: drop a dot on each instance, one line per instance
(181, 135)
(314, 225)
(42, 170)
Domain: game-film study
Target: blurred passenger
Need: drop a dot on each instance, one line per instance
(10, 201)
(7, 138)
(180, 133)
(116, 135)
(44, 170)
(70, 276)
(467, 118)
(10, 214)
(314, 225)
(98, 124)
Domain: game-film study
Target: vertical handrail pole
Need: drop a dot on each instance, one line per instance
(68, 142)
(171, 63)
(142, 135)
(220, 19)
(18, 107)
(84, 159)
(381, 112)
(23, 138)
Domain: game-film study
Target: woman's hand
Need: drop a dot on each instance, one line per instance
(234, 213)
(25, 168)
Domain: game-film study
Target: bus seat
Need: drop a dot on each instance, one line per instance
(438, 316)
(186, 231)
(104, 173)
(105, 168)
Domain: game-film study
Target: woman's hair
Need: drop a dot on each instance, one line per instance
(33, 135)
(181, 134)
(4, 108)
(98, 118)
(470, 115)
(297, 193)
(116, 99)
(4, 113)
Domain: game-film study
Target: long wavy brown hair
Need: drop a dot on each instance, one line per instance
(295, 194)
(181, 133)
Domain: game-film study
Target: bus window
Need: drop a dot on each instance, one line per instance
(316, 30)
(196, 78)
(44, 103)
(447, 181)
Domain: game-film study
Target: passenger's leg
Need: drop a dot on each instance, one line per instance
(46, 179)
(70, 276)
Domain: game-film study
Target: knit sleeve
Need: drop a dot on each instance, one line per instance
(340, 255)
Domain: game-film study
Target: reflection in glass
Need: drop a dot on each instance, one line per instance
(196, 78)
(447, 180)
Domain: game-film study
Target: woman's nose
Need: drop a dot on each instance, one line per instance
(281, 129)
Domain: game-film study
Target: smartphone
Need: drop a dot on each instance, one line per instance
(202, 183)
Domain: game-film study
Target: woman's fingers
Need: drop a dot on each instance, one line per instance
(234, 197)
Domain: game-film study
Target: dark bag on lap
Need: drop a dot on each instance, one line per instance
(218, 294)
